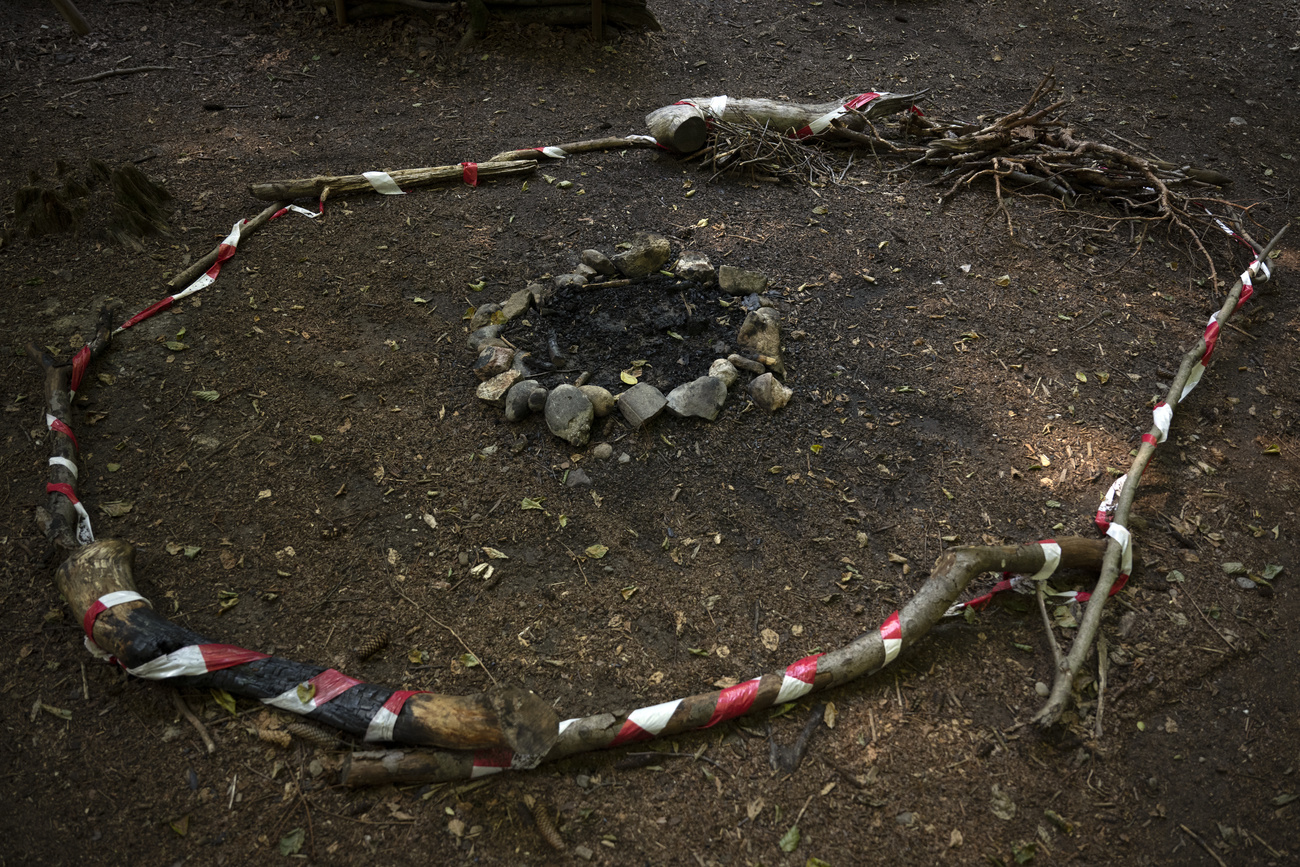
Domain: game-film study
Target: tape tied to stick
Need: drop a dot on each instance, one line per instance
(383, 183)
(85, 535)
(469, 173)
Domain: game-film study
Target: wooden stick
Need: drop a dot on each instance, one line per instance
(72, 16)
(135, 634)
(578, 147)
(1062, 686)
(951, 573)
(190, 274)
(312, 187)
(131, 70)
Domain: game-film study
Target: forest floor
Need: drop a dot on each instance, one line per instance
(934, 404)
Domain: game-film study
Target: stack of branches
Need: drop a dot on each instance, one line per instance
(1029, 151)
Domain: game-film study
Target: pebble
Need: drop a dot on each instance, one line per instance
(1042, 689)
(537, 399)
(577, 477)
(695, 266)
(769, 393)
(493, 360)
(494, 390)
(738, 281)
(1245, 583)
(483, 316)
(599, 262)
(624, 458)
(565, 281)
(602, 402)
(602, 451)
(569, 414)
(699, 398)
(640, 403)
(488, 335)
(725, 371)
(747, 364)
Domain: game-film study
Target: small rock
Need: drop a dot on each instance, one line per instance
(647, 255)
(494, 390)
(1042, 689)
(583, 852)
(569, 414)
(483, 316)
(602, 451)
(1245, 583)
(518, 304)
(905, 819)
(700, 398)
(769, 393)
(576, 478)
(640, 403)
(725, 371)
(586, 271)
(747, 364)
(567, 281)
(738, 281)
(761, 332)
(695, 266)
(521, 364)
(599, 262)
(602, 402)
(537, 399)
(1237, 121)
(518, 399)
(488, 335)
(625, 458)
(493, 360)
(518, 444)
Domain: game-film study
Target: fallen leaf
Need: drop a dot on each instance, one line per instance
(770, 639)
(469, 660)
(291, 843)
(116, 509)
(596, 551)
(264, 494)
(207, 395)
(1002, 805)
(225, 699)
(627, 593)
(494, 554)
(531, 503)
(175, 346)
(790, 839)
(181, 826)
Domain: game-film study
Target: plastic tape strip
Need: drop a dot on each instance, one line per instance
(383, 183)
(1051, 559)
(68, 465)
(85, 534)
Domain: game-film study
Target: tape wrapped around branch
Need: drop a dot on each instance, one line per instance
(98, 583)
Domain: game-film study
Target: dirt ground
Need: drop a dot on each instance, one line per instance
(931, 407)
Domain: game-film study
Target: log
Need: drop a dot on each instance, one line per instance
(683, 126)
(868, 653)
(313, 187)
(148, 645)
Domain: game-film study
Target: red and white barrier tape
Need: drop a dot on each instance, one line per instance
(85, 535)
(823, 123)
(224, 251)
(197, 659)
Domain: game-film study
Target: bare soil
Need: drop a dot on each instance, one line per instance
(932, 407)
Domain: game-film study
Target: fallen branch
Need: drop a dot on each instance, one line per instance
(113, 73)
(559, 152)
(868, 653)
(247, 228)
(423, 177)
(1189, 374)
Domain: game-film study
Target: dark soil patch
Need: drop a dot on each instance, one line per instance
(932, 396)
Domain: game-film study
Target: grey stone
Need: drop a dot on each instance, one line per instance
(601, 400)
(537, 399)
(602, 451)
(768, 393)
(483, 316)
(738, 281)
(640, 403)
(569, 414)
(747, 364)
(488, 335)
(599, 262)
(566, 281)
(647, 255)
(518, 399)
(725, 371)
(493, 360)
(695, 266)
(761, 332)
(586, 271)
(494, 390)
(1245, 583)
(517, 305)
(625, 458)
(577, 477)
(519, 443)
(521, 364)
(699, 398)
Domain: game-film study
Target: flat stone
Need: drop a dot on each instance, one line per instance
(602, 451)
(577, 477)
(518, 399)
(738, 281)
(601, 400)
(699, 398)
(695, 266)
(569, 414)
(640, 403)
(586, 271)
(488, 335)
(494, 390)
(483, 316)
(517, 304)
(537, 399)
(769, 393)
(493, 360)
(646, 256)
(725, 371)
(566, 281)
(761, 332)
(599, 262)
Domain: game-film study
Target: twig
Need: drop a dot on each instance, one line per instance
(1202, 843)
(1103, 666)
(184, 708)
(1213, 628)
(130, 70)
(453, 632)
(1057, 657)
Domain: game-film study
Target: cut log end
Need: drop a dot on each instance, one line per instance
(680, 127)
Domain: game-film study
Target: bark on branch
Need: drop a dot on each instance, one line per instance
(313, 187)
